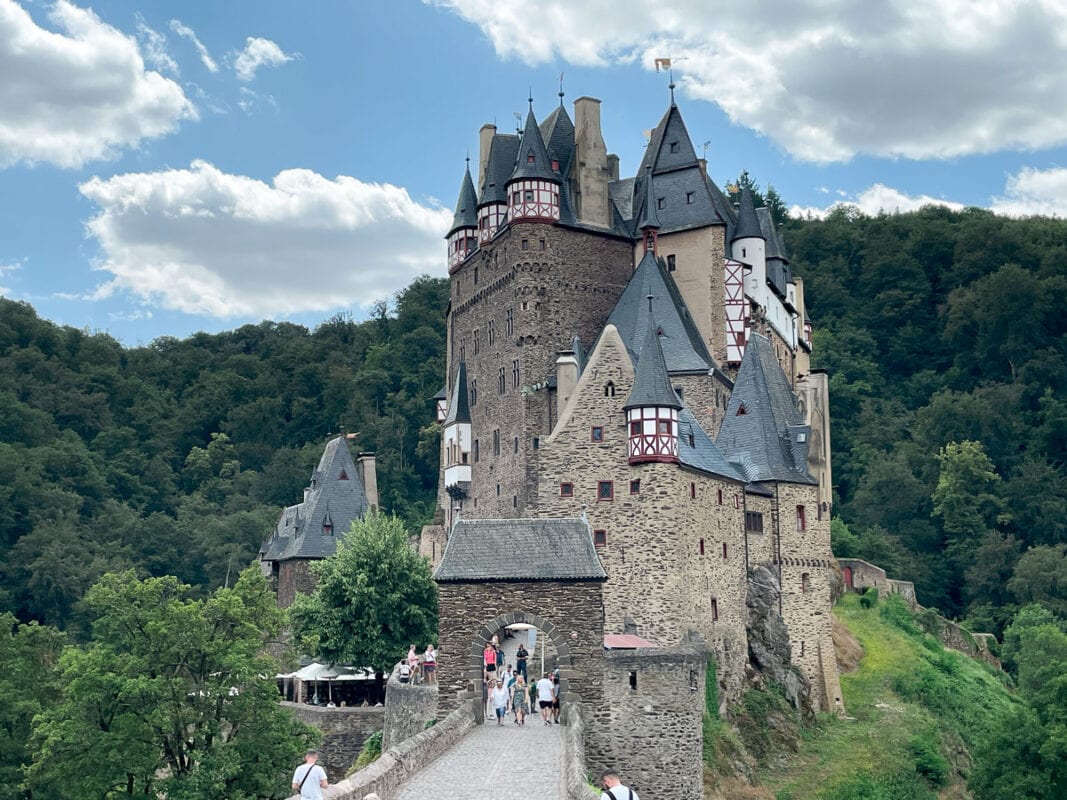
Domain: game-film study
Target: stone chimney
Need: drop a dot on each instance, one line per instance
(592, 164)
(613, 167)
(566, 379)
(485, 139)
(368, 474)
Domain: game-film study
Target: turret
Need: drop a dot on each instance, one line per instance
(749, 245)
(498, 153)
(457, 437)
(462, 237)
(653, 406)
(533, 188)
(648, 224)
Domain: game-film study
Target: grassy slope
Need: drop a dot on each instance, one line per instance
(916, 708)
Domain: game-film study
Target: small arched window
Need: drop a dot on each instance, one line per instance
(609, 389)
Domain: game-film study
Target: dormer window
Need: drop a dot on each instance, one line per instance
(674, 147)
(530, 157)
(690, 198)
(327, 529)
(343, 476)
(661, 203)
(555, 165)
(741, 410)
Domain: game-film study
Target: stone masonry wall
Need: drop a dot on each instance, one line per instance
(707, 397)
(649, 726)
(294, 576)
(569, 613)
(343, 732)
(670, 573)
(408, 707)
(552, 282)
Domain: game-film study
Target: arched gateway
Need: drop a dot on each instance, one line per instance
(541, 572)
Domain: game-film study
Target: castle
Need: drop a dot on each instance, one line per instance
(634, 352)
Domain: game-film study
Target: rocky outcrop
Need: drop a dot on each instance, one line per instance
(770, 654)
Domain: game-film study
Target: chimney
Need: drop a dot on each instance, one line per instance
(613, 167)
(368, 474)
(566, 379)
(485, 140)
(592, 159)
(703, 168)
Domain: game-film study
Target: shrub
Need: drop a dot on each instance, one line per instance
(869, 598)
(371, 751)
(895, 611)
(929, 763)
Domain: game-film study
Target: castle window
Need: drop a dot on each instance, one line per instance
(724, 550)
(743, 252)
(692, 490)
(515, 197)
(692, 439)
(477, 341)
(540, 244)
(474, 392)
(327, 528)
(741, 410)
(475, 276)
(343, 476)
(514, 501)
(671, 263)
(516, 444)
(802, 523)
(496, 442)
(753, 522)
(635, 486)
(525, 306)
(609, 389)
(678, 390)
(509, 322)
(463, 352)
(701, 547)
(664, 425)
(690, 197)
(674, 147)
(635, 428)
(528, 195)
(477, 451)
(633, 680)
(661, 202)
(737, 500)
(525, 244)
(802, 648)
(596, 434)
(605, 490)
(501, 381)
(498, 490)
(515, 373)
(720, 497)
(491, 333)
(600, 538)
(566, 490)
(530, 157)
(805, 582)
(714, 610)
(555, 165)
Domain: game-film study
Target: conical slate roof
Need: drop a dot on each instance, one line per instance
(763, 433)
(747, 222)
(649, 218)
(652, 384)
(557, 132)
(466, 215)
(502, 152)
(459, 410)
(532, 161)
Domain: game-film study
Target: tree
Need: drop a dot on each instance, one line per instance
(172, 697)
(1041, 577)
(374, 597)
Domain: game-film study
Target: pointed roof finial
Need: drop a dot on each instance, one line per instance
(650, 298)
(561, 88)
(529, 98)
(671, 87)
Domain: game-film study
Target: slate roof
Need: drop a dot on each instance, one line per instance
(621, 193)
(532, 161)
(557, 131)
(459, 410)
(683, 349)
(466, 215)
(748, 226)
(779, 273)
(335, 496)
(649, 218)
(763, 442)
(552, 549)
(703, 455)
(652, 384)
(502, 151)
(442, 394)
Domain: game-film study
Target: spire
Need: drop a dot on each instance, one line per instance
(748, 226)
(466, 215)
(649, 218)
(652, 384)
(532, 161)
(459, 410)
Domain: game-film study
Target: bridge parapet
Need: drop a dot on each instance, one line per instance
(573, 769)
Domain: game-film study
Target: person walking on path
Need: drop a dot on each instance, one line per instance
(555, 697)
(309, 779)
(520, 700)
(489, 662)
(520, 660)
(500, 702)
(429, 664)
(614, 789)
(546, 692)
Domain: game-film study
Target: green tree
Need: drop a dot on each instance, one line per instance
(1041, 577)
(172, 697)
(374, 597)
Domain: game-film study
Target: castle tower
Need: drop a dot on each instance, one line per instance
(749, 245)
(462, 236)
(652, 407)
(498, 157)
(457, 440)
(533, 188)
(648, 225)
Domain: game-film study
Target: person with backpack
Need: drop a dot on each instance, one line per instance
(614, 789)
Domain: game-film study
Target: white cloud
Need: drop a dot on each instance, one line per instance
(826, 79)
(878, 199)
(202, 241)
(154, 46)
(258, 53)
(6, 269)
(186, 32)
(1033, 191)
(79, 94)
(250, 100)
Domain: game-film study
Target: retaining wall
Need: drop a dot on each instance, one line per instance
(408, 707)
(573, 770)
(343, 732)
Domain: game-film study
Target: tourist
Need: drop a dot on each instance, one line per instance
(489, 663)
(429, 664)
(555, 697)
(309, 779)
(520, 700)
(520, 660)
(499, 659)
(613, 788)
(413, 664)
(500, 702)
(546, 692)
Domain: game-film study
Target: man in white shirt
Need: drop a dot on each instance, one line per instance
(614, 790)
(310, 779)
(546, 693)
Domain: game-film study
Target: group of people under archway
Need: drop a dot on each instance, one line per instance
(508, 688)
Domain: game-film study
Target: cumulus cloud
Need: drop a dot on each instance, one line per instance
(186, 32)
(79, 93)
(878, 199)
(202, 241)
(1033, 191)
(258, 53)
(826, 79)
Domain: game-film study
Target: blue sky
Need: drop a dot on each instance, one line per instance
(168, 167)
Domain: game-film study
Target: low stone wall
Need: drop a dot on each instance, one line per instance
(343, 732)
(398, 764)
(573, 770)
(866, 575)
(408, 707)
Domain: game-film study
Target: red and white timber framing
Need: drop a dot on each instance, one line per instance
(737, 322)
(533, 199)
(460, 245)
(490, 218)
(653, 434)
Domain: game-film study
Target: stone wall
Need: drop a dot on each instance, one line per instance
(294, 576)
(399, 763)
(573, 766)
(649, 727)
(432, 543)
(569, 613)
(408, 707)
(865, 575)
(343, 732)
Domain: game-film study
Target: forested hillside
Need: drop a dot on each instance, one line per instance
(176, 458)
(944, 335)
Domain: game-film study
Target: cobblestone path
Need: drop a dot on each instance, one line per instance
(494, 762)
